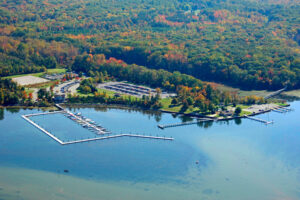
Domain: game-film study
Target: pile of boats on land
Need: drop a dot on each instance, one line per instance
(87, 123)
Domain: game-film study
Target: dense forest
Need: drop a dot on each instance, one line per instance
(190, 90)
(10, 92)
(250, 44)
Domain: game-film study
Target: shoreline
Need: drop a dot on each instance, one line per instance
(29, 107)
(135, 108)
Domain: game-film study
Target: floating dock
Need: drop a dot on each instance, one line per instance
(282, 109)
(279, 111)
(259, 120)
(184, 123)
(86, 123)
(116, 136)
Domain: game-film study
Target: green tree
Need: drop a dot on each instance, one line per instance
(238, 111)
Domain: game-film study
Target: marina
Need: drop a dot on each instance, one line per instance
(208, 150)
(85, 123)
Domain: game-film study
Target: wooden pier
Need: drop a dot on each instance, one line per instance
(184, 123)
(259, 120)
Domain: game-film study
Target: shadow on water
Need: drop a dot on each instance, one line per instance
(105, 108)
(238, 121)
(13, 110)
(209, 124)
(185, 118)
(1, 113)
(205, 124)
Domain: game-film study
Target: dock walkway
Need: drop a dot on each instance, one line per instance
(46, 113)
(184, 123)
(43, 130)
(116, 136)
(259, 120)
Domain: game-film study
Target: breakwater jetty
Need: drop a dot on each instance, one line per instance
(86, 123)
(40, 128)
(117, 136)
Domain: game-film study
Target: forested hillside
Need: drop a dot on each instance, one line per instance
(246, 43)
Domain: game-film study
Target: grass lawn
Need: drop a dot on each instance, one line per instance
(83, 95)
(108, 92)
(242, 106)
(29, 90)
(166, 105)
(242, 93)
(41, 85)
(294, 93)
(282, 104)
(245, 113)
(50, 71)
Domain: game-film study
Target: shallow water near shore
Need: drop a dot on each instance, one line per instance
(225, 160)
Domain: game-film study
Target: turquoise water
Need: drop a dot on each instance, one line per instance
(227, 160)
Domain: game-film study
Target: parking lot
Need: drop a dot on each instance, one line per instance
(29, 80)
(260, 108)
(67, 87)
(131, 89)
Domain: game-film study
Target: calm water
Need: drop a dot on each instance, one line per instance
(221, 161)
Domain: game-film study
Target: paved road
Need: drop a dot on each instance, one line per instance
(71, 89)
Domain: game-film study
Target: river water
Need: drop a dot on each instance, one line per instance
(232, 160)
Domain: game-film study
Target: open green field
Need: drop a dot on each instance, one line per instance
(49, 71)
(108, 92)
(293, 93)
(240, 92)
(100, 90)
(167, 106)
